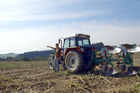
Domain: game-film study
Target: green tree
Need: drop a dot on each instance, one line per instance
(9, 59)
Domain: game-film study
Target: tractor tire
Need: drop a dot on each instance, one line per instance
(74, 62)
(51, 63)
(88, 68)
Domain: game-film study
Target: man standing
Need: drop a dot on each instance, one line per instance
(57, 56)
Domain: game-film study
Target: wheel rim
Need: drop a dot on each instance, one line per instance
(51, 62)
(72, 62)
(105, 69)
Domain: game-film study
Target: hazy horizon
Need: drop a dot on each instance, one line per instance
(30, 25)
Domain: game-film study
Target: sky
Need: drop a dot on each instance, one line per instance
(30, 25)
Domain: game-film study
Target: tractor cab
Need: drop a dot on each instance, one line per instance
(79, 40)
(79, 43)
(74, 49)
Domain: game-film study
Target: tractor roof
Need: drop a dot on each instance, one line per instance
(80, 35)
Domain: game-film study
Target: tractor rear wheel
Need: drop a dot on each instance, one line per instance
(74, 62)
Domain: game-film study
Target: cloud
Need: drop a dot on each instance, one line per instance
(21, 41)
(57, 16)
(20, 10)
(28, 25)
(31, 39)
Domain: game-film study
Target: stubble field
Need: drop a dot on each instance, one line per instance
(35, 77)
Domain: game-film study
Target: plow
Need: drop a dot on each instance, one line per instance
(111, 64)
(77, 55)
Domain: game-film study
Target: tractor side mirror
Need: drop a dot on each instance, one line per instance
(59, 41)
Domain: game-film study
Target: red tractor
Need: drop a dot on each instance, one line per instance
(76, 53)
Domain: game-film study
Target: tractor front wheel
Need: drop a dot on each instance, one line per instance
(74, 62)
(51, 62)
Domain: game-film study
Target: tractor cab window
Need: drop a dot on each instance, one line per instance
(83, 42)
(86, 42)
(66, 43)
(72, 42)
(80, 42)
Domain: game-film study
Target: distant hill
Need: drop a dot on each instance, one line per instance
(35, 54)
(8, 55)
(27, 56)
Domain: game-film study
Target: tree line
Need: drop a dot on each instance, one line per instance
(30, 56)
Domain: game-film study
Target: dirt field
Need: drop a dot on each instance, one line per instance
(35, 77)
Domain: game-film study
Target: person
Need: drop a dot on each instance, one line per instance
(57, 56)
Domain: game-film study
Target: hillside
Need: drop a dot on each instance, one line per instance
(35, 54)
(8, 55)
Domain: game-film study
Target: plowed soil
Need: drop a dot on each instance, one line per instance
(36, 77)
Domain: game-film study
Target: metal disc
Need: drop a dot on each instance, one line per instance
(102, 51)
(107, 71)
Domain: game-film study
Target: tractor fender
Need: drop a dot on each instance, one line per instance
(66, 51)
